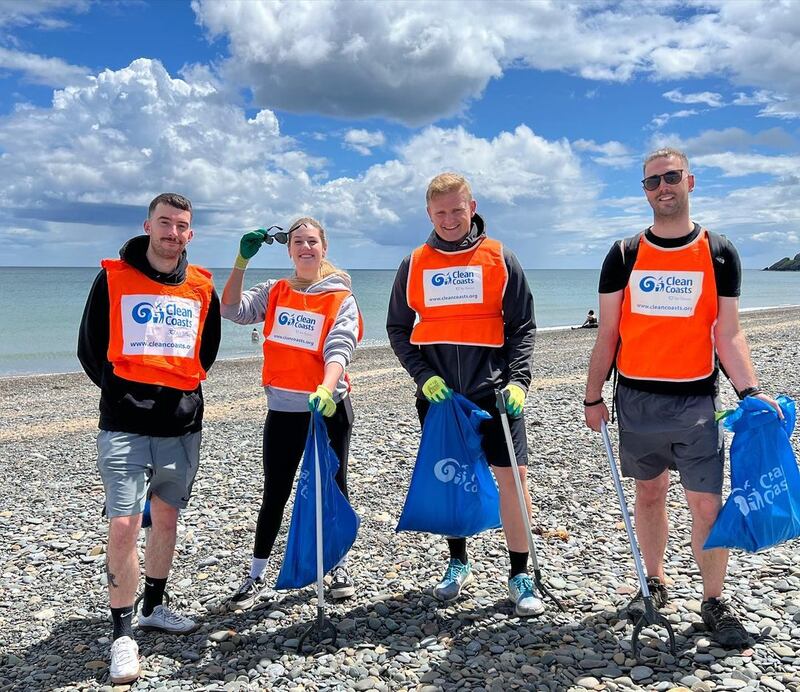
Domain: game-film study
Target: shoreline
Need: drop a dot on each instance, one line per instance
(382, 345)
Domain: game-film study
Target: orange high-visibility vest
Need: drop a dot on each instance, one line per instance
(458, 296)
(295, 328)
(669, 311)
(155, 329)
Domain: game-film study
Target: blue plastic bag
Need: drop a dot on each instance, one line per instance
(763, 508)
(339, 520)
(452, 490)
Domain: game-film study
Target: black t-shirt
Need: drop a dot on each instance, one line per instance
(728, 277)
(727, 266)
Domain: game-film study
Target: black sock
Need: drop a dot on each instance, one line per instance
(458, 549)
(153, 594)
(123, 621)
(519, 563)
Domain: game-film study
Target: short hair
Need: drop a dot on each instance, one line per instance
(591, 312)
(665, 153)
(447, 182)
(172, 199)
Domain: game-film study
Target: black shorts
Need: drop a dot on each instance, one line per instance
(493, 439)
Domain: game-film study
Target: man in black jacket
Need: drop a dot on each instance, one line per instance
(150, 331)
(461, 317)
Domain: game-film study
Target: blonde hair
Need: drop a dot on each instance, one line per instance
(665, 153)
(325, 267)
(447, 182)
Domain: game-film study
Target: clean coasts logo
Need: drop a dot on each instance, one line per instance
(453, 286)
(449, 470)
(171, 313)
(157, 325)
(750, 499)
(666, 293)
(300, 328)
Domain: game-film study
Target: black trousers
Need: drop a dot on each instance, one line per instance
(284, 441)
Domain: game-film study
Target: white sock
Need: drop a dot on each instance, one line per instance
(257, 567)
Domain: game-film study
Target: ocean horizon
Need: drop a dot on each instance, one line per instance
(42, 307)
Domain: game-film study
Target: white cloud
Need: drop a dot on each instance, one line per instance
(659, 121)
(613, 154)
(365, 59)
(709, 98)
(731, 139)
(364, 141)
(735, 165)
(42, 70)
(38, 12)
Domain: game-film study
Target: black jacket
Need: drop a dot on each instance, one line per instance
(474, 371)
(135, 407)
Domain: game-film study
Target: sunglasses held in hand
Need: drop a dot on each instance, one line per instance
(651, 182)
(280, 237)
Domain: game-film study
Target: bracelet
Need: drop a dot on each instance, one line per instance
(593, 403)
(749, 391)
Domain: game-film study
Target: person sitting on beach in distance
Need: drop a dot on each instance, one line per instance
(590, 323)
(303, 370)
(149, 371)
(254, 335)
(666, 404)
(473, 348)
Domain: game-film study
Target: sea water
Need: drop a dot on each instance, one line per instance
(41, 307)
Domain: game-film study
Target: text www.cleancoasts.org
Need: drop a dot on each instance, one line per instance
(159, 344)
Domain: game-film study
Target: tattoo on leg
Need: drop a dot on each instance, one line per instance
(112, 580)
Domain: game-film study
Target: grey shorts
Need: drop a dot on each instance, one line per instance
(131, 465)
(666, 431)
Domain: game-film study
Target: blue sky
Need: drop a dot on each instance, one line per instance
(264, 111)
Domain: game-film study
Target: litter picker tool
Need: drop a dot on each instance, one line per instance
(523, 507)
(322, 628)
(650, 616)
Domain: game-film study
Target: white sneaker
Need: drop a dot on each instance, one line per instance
(520, 591)
(125, 666)
(162, 619)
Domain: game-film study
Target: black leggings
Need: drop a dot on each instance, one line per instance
(284, 441)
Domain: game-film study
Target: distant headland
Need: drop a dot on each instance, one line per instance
(785, 265)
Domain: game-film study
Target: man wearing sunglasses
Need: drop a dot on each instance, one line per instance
(669, 300)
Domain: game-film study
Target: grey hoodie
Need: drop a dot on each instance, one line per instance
(339, 344)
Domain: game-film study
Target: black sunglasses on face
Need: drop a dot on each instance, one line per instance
(651, 182)
(280, 237)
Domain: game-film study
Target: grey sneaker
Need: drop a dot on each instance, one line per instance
(456, 577)
(723, 624)
(658, 594)
(247, 594)
(162, 619)
(521, 593)
(341, 583)
(124, 666)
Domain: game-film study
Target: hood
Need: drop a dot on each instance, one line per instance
(340, 281)
(476, 232)
(134, 252)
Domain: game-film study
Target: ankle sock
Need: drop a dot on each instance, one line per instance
(153, 594)
(519, 563)
(257, 567)
(458, 549)
(123, 621)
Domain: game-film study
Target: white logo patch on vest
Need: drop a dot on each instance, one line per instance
(669, 293)
(159, 325)
(297, 328)
(453, 286)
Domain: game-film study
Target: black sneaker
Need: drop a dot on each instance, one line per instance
(247, 594)
(341, 583)
(658, 595)
(723, 624)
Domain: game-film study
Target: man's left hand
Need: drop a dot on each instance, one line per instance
(515, 399)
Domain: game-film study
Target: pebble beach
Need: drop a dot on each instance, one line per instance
(392, 635)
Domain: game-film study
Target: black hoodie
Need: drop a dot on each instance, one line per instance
(135, 407)
(474, 371)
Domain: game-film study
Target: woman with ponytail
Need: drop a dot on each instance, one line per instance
(311, 328)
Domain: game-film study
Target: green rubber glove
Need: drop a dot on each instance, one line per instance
(322, 401)
(515, 401)
(248, 246)
(435, 390)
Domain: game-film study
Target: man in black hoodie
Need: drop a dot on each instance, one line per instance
(150, 331)
(461, 317)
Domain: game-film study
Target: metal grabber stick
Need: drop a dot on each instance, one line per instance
(650, 616)
(523, 506)
(323, 628)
